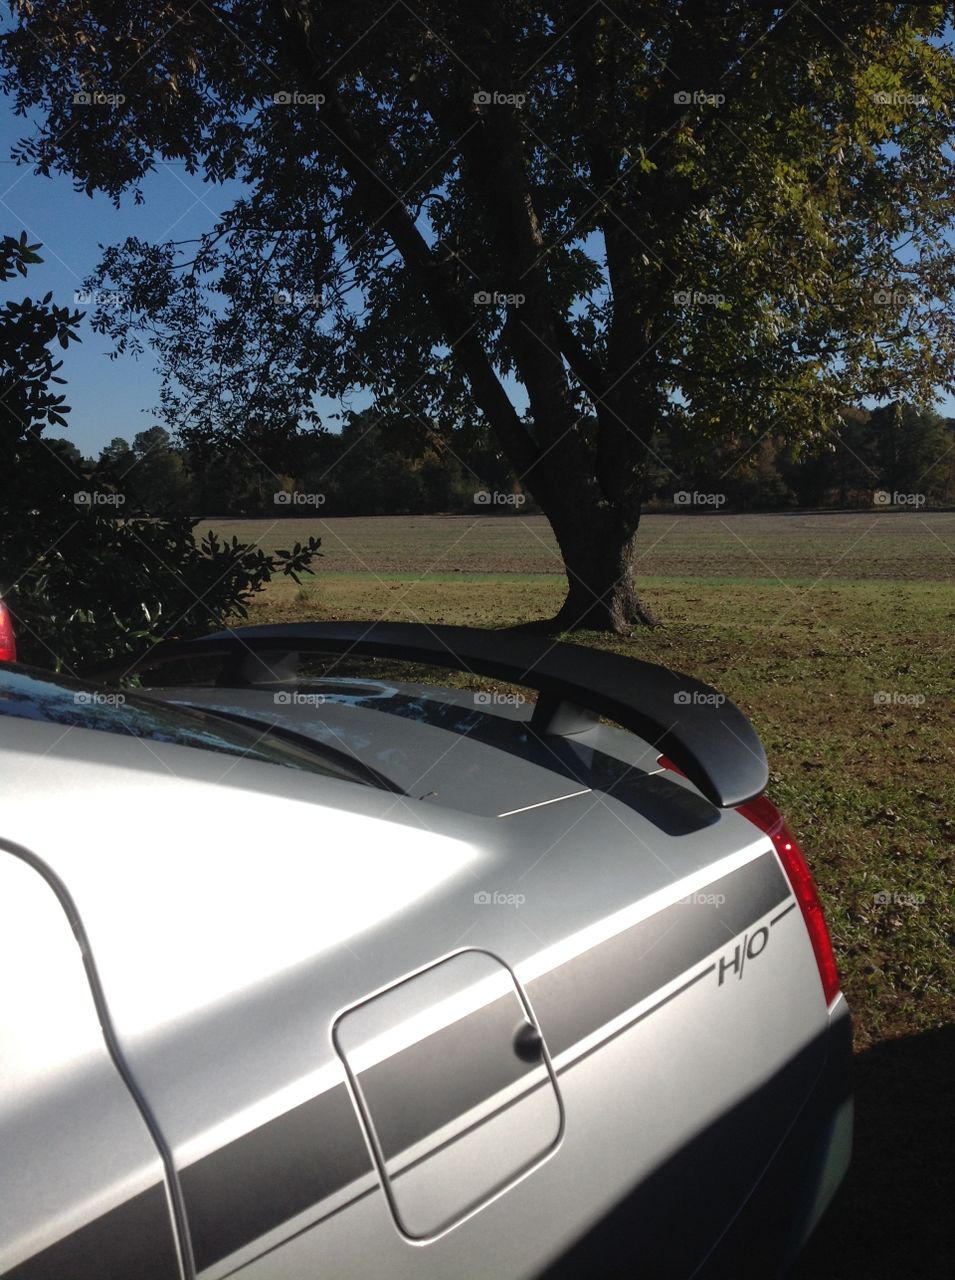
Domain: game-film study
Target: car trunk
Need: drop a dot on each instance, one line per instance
(266, 944)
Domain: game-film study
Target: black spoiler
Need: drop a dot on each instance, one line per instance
(703, 733)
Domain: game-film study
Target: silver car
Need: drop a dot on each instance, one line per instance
(313, 968)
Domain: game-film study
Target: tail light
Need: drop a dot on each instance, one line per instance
(8, 643)
(767, 817)
(764, 814)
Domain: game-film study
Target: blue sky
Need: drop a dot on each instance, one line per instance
(108, 397)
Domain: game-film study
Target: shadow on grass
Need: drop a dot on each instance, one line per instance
(893, 1215)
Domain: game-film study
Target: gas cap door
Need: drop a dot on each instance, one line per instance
(453, 1087)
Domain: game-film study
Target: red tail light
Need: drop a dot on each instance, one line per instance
(767, 817)
(764, 814)
(8, 643)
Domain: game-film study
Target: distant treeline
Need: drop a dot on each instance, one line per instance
(894, 454)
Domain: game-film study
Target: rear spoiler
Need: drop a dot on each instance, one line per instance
(705, 735)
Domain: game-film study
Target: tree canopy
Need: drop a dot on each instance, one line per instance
(590, 227)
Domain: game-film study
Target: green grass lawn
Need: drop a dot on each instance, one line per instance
(835, 635)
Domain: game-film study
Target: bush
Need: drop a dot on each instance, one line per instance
(85, 584)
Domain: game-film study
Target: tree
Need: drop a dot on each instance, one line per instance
(652, 216)
(363, 477)
(159, 481)
(910, 447)
(840, 470)
(113, 465)
(228, 482)
(68, 452)
(85, 584)
(373, 468)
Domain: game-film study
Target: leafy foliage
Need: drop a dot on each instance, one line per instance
(86, 585)
(28, 329)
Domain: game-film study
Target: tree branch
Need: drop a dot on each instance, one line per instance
(358, 156)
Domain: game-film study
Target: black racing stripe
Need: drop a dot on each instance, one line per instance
(134, 1241)
(277, 1171)
(427, 1085)
(253, 1185)
(540, 1082)
(582, 995)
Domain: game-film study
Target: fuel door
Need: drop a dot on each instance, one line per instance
(453, 1088)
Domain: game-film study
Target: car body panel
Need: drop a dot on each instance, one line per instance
(285, 956)
(97, 1179)
(327, 891)
(442, 755)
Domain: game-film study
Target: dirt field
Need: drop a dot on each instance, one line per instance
(905, 545)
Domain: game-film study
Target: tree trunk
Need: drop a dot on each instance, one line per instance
(598, 548)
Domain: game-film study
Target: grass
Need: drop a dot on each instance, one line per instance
(834, 634)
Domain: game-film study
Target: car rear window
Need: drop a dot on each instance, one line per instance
(60, 700)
